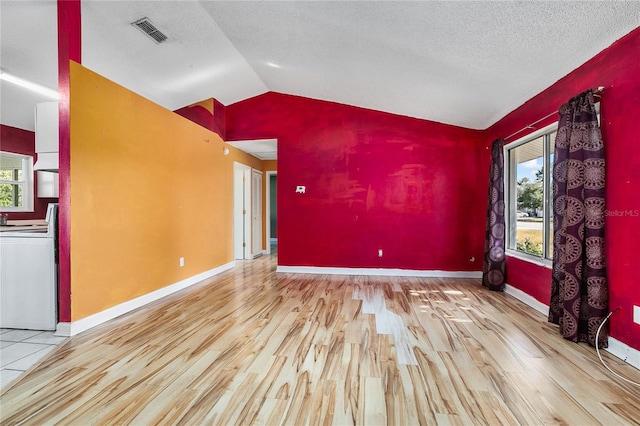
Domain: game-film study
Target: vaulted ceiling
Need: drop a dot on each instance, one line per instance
(465, 63)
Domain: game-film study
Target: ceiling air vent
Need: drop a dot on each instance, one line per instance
(146, 26)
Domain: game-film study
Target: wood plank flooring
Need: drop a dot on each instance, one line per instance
(254, 347)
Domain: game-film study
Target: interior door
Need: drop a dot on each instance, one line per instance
(241, 218)
(256, 212)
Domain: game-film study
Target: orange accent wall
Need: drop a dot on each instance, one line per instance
(147, 187)
(269, 165)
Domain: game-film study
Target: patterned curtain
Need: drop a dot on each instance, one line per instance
(579, 290)
(494, 263)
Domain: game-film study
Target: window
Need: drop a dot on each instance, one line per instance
(529, 197)
(16, 182)
(529, 193)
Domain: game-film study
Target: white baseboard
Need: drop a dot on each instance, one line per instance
(377, 272)
(527, 299)
(624, 352)
(616, 348)
(75, 327)
(63, 329)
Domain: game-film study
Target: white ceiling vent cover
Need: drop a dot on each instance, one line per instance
(146, 26)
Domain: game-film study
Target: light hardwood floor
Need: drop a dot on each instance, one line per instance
(254, 347)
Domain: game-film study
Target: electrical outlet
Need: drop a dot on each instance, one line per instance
(379, 252)
(181, 261)
(636, 314)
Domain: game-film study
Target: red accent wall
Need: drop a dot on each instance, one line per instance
(373, 181)
(200, 115)
(220, 120)
(529, 277)
(617, 68)
(23, 142)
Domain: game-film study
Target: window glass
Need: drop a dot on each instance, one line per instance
(529, 196)
(10, 195)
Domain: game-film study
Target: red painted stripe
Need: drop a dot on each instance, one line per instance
(69, 48)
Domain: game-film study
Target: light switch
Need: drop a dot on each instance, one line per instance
(301, 189)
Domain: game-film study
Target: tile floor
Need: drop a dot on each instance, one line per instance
(21, 349)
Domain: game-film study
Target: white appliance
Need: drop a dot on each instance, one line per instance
(28, 274)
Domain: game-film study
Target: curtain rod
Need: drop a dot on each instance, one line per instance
(596, 92)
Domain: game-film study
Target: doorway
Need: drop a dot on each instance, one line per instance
(272, 211)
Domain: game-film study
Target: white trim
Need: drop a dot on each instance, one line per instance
(63, 329)
(540, 261)
(616, 348)
(377, 272)
(75, 327)
(526, 299)
(549, 128)
(624, 352)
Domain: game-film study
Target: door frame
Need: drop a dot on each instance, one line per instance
(268, 207)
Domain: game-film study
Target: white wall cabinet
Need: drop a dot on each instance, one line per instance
(47, 184)
(47, 138)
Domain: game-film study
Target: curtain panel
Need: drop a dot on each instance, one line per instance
(579, 289)
(494, 262)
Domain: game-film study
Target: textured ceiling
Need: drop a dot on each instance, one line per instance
(197, 61)
(28, 49)
(463, 63)
(264, 149)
